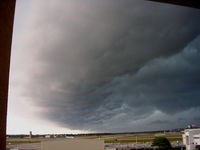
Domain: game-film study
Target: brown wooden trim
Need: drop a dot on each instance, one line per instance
(7, 9)
(188, 3)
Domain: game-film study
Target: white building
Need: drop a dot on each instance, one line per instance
(69, 137)
(191, 138)
(49, 136)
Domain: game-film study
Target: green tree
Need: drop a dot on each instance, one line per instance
(161, 143)
(198, 147)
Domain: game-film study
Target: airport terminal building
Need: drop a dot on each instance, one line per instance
(191, 139)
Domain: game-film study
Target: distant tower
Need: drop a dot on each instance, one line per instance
(30, 135)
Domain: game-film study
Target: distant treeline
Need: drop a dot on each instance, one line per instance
(93, 134)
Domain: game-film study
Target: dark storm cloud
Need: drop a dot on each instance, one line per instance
(114, 65)
(160, 122)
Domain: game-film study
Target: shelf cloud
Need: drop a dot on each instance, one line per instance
(112, 66)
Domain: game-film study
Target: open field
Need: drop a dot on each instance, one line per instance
(30, 146)
(114, 140)
(133, 138)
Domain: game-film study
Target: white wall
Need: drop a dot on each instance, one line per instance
(189, 138)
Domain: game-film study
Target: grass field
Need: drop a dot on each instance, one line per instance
(117, 138)
(21, 142)
(132, 138)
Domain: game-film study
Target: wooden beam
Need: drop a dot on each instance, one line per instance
(7, 9)
(187, 3)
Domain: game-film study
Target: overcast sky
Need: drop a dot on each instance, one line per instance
(103, 66)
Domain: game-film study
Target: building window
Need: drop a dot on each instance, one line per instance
(187, 140)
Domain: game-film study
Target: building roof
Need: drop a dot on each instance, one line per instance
(188, 3)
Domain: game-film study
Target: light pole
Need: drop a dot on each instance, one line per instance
(136, 142)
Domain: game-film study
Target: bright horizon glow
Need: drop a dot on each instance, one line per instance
(22, 116)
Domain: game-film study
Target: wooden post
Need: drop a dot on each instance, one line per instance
(7, 9)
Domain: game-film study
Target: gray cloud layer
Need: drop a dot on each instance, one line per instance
(114, 65)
